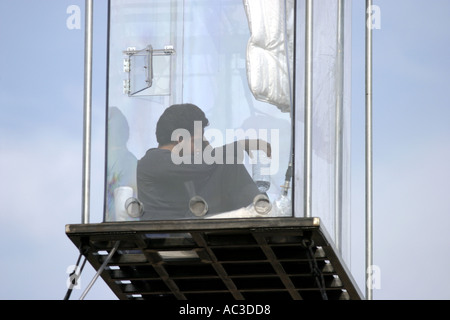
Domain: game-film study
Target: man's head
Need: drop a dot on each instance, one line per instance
(178, 116)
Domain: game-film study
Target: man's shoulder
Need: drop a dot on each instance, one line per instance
(155, 154)
(151, 163)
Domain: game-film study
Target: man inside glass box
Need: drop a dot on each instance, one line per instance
(185, 177)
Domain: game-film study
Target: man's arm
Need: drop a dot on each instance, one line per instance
(256, 144)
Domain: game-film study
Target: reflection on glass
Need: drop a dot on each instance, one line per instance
(121, 171)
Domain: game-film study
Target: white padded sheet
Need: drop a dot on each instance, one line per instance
(268, 70)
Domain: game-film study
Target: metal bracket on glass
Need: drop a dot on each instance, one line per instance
(138, 64)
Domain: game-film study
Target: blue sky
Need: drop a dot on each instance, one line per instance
(41, 101)
(411, 147)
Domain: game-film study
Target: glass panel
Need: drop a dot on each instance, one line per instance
(186, 147)
(331, 92)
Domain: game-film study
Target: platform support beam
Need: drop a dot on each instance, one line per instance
(100, 270)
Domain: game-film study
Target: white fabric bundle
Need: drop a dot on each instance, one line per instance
(269, 68)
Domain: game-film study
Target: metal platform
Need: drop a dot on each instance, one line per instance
(226, 259)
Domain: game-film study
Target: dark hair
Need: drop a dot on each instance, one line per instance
(178, 116)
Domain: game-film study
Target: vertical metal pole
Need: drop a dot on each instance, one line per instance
(87, 110)
(369, 217)
(308, 108)
(339, 126)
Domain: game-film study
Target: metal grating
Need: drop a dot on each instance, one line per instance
(229, 259)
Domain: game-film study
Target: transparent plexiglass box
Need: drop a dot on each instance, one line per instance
(206, 111)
